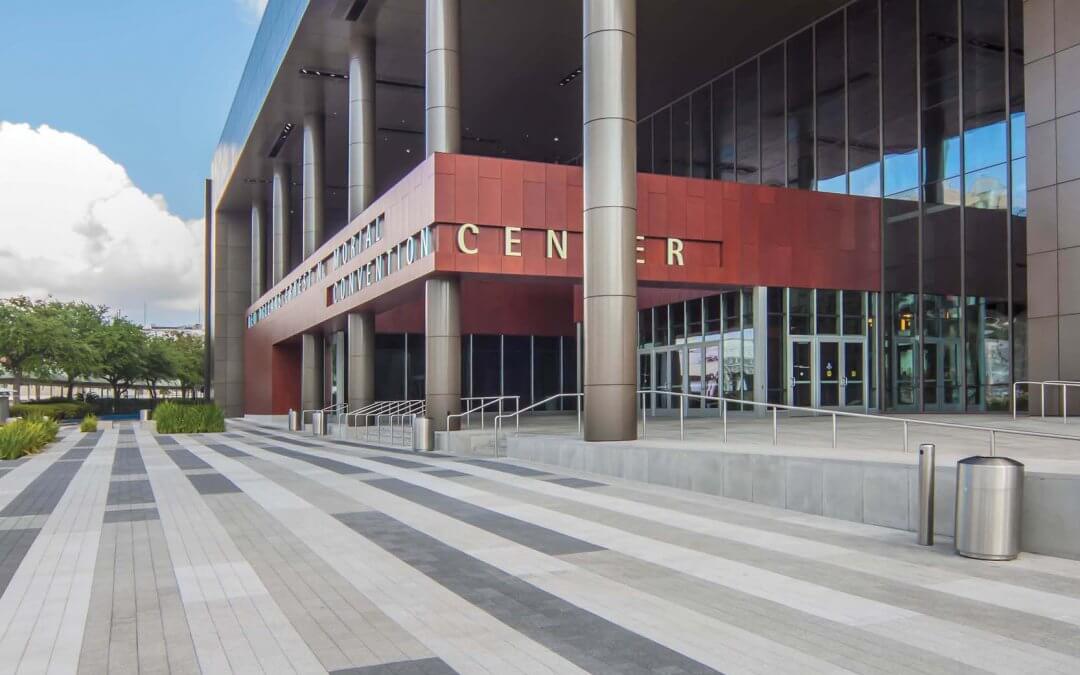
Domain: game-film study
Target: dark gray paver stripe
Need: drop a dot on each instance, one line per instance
(396, 461)
(131, 515)
(89, 440)
(323, 462)
(167, 440)
(432, 666)
(212, 483)
(127, 461)
(43, 493)
(579, 636)
(570, 481)
(445, 473)
(527, 534)
(507, 468)
(13, 547)
(227, 450)
(76, 453)
(186, 459)
(125, 492)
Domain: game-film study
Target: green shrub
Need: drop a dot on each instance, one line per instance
(26, 436)
(65, 410)
(89, 423)
(173, 418)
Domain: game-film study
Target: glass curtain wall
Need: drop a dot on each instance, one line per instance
(919, 103)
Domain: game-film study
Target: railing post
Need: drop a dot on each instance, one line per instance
(1065, 404)
(723, 413)
(993, 442)
(578, 401)
(1042, 400)
(775, 433)
(834, 430)
(1015, 388)
(682, 424)
(925, 534)
(644, 415)
(905, 435)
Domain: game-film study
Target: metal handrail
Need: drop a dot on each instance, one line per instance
(1064, 384)
(485, 401)
(517, 414)
(333, 408)
(393, 408)
(412, 412)
(775, 407)
(374, 405)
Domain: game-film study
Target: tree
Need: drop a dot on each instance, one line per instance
(121, 347)
(159, 362)
(76, 356)
(188, 350)
(29, 334)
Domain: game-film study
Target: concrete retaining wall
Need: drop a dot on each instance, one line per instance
(876, 493)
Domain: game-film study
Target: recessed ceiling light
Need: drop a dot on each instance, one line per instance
(318, 72)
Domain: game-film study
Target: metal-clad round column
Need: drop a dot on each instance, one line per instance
(313, 182)
(442, 349)
(311, 371)
(281, 218)
(361, 361)
(361, 124)
(610, 163)
(258, 243)
(442, 80)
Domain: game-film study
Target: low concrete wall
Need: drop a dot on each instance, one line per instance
(874, 492)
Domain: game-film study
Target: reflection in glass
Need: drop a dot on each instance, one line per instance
(693, 320)
(680, 138)
(854, 312)
(984, 83)
(773, 141)
(901, 242)
(800, 309)
(828, 311)
(746, 123)
(800, 110)
(546, 369)
(660, 326)
(714, 325)
(831, 105)
(863, 107)
(899, 84)
(940, 89)
(662, 142)
(700, 125)
(678, 325)
(723, 95)
(645, 334)
(644, 146)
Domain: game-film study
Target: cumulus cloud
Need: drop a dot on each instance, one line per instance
(74, 226)
(253, 8)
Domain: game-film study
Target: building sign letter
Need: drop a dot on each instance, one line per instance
(511, 241)
(674, 252)
(462, 246)
(556, 243)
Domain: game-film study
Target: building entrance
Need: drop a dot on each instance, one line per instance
(827, 372)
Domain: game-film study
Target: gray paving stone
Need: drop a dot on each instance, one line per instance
(227, 450)
(212, 484)
(129, 492)
(591, 642)
(432, 666)
(507, 468)
(185, 459)
(13, 547)
(131, 515)
(570, 481)
(323, 462)
(44, 492)
(398, 462)
(445, 473)
(127, 460)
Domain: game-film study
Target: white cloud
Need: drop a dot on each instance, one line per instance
(253, 8)
(73, 225)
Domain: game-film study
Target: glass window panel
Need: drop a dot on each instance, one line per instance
(988, 188)
(701, 135)
(660, 326)
(723, 95)
(1016, 78)
(746, 118)
(693, 320)
(389, 367)
(987, 354)
(680, 138)
(941, 244)
(940, 61)
(485, 363)
(644, 145)
(517, 364)
(712, 374)
(645, 332)
(984, 83)
(863, 106)
(773, 139)
(746, 387)
(694, 383)
(677, 315)
(800, 110)
(569, 369)
(800, 309)
(731, 310)
(1019, 192)
(899, 83)
(714, 326)
(902, 242)
(662, 142)
(831, 104)
(828, 312)
(546, 369)
(854, 312)
(986, 234)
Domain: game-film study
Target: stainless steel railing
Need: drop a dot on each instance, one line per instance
(1064, 384)
(485, 402)
(517, 414)
(333, 409)
(411, 412)
(774, 408)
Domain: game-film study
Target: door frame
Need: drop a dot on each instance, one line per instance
(815, 373)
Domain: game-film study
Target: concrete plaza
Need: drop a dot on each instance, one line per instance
(263, 551)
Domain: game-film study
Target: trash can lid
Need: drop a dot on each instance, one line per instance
(981, 460)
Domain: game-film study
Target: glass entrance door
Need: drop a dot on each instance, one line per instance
(802, 372)
(853, 378)
(827, 372)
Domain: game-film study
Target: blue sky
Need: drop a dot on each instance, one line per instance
(149, 82)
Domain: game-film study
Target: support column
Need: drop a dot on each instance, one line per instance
(442, 85)
(280, 215)
(313, 182)
(361, 124)
(442, 355)
(761, 345)
(311, 371)
(258, 242)
(230, 282)
(610, 166)
(361, 360)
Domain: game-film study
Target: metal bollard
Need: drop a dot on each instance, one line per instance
(925, 533)
(294, 420)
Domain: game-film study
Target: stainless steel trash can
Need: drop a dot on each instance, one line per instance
(423, 434)
(5, 407)
(989, 491)
(144, 415)
(318, 423)
(294, 420)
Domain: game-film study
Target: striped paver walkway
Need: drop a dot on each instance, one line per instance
(261, 551)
